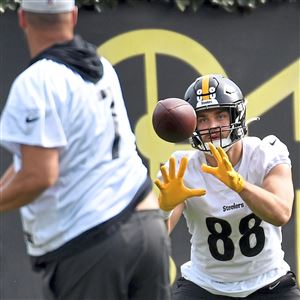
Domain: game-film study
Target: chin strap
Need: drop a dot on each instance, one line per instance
(218, 143)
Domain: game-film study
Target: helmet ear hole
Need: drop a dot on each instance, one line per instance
(195, 140)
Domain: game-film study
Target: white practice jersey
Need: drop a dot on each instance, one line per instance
(233, 252)
(100, 171)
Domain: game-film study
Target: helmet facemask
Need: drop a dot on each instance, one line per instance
(226, 135)
(198, 142)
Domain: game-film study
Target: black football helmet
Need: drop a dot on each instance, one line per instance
(216, 91)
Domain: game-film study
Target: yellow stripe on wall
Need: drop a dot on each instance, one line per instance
(297, 217)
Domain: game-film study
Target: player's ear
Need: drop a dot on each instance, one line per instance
(22, 18)
(75, 15)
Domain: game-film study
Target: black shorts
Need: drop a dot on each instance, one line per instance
(284, 288)
(133, 263)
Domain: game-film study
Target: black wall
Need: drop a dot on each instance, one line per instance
(252, 48)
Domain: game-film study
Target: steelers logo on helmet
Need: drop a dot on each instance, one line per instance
(206, 91)
(217, 91)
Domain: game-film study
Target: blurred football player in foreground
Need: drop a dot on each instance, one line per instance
(91, 222)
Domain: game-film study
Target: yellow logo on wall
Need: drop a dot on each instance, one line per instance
(151, 42)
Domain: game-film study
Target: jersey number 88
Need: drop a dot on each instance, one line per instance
(245, 245)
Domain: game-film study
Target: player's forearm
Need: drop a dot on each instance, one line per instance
(7, 176)
(175, 217)
(21, 190)
(266, 205)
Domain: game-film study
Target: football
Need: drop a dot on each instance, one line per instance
(174, 120)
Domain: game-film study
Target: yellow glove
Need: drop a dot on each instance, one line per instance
(172, 190)
(224, 171)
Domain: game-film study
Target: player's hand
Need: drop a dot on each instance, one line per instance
(172, 189)
(224, 171)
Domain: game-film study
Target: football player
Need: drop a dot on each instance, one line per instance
(235, 192)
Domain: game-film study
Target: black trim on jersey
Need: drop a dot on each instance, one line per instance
(78, 55)
(94, 235)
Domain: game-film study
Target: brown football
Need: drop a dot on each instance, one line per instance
(174, 120)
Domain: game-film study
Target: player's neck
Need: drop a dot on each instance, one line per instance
(38, 42)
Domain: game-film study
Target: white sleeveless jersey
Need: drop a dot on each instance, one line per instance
(100, 171)
(252, 256)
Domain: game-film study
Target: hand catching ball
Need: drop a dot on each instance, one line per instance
(174, 120)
